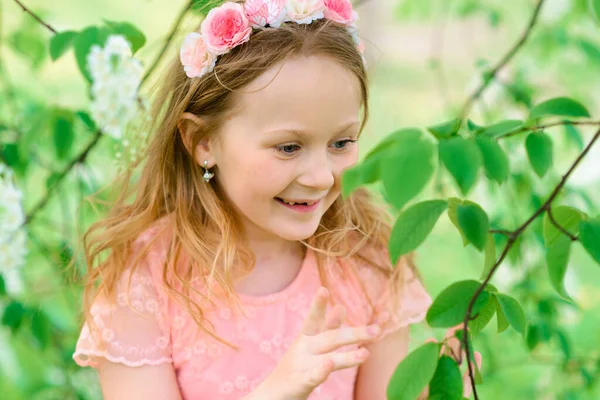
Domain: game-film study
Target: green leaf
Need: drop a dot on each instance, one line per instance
(82, 44)
(370, 169)
(413, 373)
(52, 180)
(359, 175)
(28, 42)
(490, 256)
(590, 237)
(559, 106)
(574, 136)
(41, 328)
(502, 128)
(453, 203)
(2, 286)
(500, 317)
(62, 128)
(134, 36)
(473, 127)
(445, 130)
(474, 222)
(13, 315)
(203, 6)
(484, 317)
(413, 226)
(557, 259)
(463, 159)
(565, 216)
(450, 306)
(539, 151)
(406, 169)
(86, 119)
(495, 160)
(447, 381)
(60, 43)
(514, 312)
(595, 8)
(563, 342)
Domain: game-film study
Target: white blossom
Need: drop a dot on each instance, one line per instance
(116, 77)
(12, 238)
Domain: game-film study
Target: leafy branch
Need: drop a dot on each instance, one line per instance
(512, 237)
(81, 156)
(490, 75)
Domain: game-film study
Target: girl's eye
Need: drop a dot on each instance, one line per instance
(342, 144)
(287, 149)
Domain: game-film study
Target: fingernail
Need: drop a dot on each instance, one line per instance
(374, 330)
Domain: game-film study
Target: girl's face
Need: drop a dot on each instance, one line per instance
(291, 138)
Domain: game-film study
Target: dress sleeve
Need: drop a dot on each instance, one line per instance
(131, 328)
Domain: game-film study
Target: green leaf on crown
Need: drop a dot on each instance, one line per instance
(473, 222)
(447, 383)
(495, 161)
(60, 43)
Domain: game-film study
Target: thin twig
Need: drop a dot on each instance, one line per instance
(542, 127)
(511, 53)
(509, 244)
(41, 21)
(78, 159)
(81, 157)
(560, 228)
(168, 41)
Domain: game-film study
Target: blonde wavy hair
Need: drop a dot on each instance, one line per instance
(204, 225)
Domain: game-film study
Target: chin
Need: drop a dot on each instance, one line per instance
(296, 232)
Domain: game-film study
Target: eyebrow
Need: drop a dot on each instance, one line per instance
(301, 133)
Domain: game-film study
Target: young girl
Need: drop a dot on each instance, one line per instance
(238, 271)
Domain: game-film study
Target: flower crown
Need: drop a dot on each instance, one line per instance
(230, 25)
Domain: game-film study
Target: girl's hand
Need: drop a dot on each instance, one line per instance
(312, 356)
(451, 348)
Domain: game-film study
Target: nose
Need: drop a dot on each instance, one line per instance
(317, 173)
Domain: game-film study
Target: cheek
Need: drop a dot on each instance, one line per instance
(347, 161)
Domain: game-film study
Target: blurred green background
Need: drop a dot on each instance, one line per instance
(425, 58)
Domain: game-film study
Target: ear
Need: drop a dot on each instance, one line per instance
(189, 125)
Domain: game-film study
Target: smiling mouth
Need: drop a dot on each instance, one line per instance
(291, 203)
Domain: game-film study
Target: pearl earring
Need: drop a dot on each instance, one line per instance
(207, 175)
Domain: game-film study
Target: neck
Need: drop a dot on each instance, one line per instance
(272, 251)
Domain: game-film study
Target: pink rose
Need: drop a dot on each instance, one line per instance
(225, 27)
(195, 57)
(304, 11)
(340, 11)
(263, 12)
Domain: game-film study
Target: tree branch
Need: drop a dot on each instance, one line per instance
(509, 244)
(81, 157)
(168, 41)
(542, 127)
(557, 225)
(38, 19)
(511, 53)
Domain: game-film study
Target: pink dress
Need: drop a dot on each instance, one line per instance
(159, 330)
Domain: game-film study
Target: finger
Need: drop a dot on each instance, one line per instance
(318, 375)
(335, 318)
(328, 341)
(466, 379)
(348, 359)
(453, 349)
(316, 314)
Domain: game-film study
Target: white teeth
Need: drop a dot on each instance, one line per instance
(308, 203)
